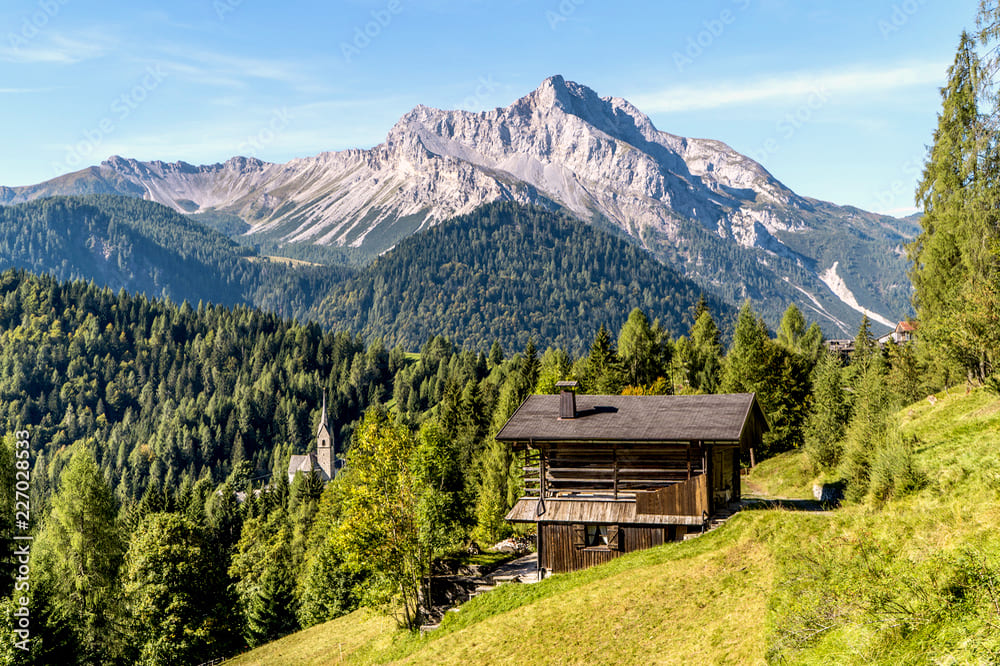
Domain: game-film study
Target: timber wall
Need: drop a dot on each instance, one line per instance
(557, 552)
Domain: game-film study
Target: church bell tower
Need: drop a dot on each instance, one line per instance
(324, 445)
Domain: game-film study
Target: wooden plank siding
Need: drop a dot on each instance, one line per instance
(557, 551)
(689, 498)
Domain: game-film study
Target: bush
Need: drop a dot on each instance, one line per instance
(893, 472)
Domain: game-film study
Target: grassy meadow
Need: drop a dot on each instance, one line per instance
(913, 581)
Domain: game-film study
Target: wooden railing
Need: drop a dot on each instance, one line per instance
(616, 471)
(689, 498)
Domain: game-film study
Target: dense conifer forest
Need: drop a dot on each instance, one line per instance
(124, 243)
(503, 273)
(508, 273)
(160, 437)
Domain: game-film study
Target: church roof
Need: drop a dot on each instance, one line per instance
(305, 463)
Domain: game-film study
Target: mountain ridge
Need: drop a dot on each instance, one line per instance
(449, 281)
(696, 204)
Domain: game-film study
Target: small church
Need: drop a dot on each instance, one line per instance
(324, 461)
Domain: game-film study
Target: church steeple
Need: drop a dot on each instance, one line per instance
(324, 444)
(323, 425)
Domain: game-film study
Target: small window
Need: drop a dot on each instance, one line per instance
(597, 536)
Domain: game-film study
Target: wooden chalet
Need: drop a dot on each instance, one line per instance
(609, 474)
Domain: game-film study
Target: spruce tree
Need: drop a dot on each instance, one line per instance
(642, 347)
(167, 572)
(748, 355)
(865, 346)
(956, 257)
(78, 553)
(828, 414)
(704, 366)
(792, 329)
(602, 368)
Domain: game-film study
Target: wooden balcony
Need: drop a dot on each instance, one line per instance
(609, 472)
(689, 498)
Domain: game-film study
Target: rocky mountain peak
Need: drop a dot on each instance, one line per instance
(694, 203)
(612, 115)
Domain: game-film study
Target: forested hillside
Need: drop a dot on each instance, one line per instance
(147, 418)
(168, 393)
(502, 273)
(507, 272)
(125, 243)
(150, 420)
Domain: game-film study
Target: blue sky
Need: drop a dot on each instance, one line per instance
(837, 99)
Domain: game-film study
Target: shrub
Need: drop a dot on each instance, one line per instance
(893, 472)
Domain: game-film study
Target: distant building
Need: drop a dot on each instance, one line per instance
(904, 332)
(843, 348)
(323, 461)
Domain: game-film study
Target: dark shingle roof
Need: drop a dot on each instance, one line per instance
(631, 418)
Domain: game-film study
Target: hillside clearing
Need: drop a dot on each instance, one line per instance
(913, 582)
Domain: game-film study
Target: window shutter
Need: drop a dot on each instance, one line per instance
(579, 536)
(614, 542)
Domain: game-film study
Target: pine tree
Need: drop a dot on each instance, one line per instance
(792, 329)
(643, 350)
(956, 257)
(329, 587)
(779, 378)
(555, 366)
(602, 369)
(905, 376)
(78, 552)
(698, 357)
(7, 565)
(492, 501)
(828, 415)
(865, 346)
(528, 371)
(748, 355)
(271, 613)
(165, 578)
(496, 354)
(868, 429)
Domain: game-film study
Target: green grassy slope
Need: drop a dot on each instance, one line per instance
(917, 581)
(615, 613)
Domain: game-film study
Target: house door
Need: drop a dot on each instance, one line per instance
(722, 476)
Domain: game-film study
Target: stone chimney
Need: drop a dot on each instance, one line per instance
(567, 399)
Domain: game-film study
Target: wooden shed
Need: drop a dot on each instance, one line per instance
(609, 474)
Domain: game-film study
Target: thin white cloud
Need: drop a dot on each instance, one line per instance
(56, 48)
(208, 67)
(787, 86)
(23, 91)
